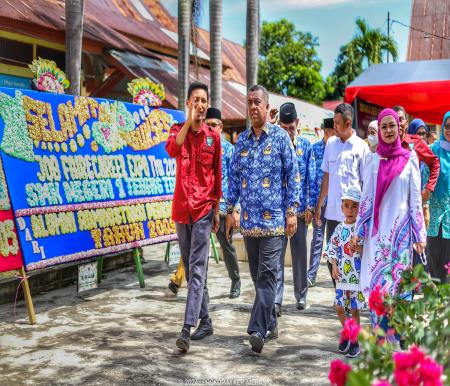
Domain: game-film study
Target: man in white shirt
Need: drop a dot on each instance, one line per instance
(342, 164)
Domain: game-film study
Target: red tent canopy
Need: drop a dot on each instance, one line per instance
(421, 87)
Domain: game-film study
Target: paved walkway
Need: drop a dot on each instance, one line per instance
(124, 335)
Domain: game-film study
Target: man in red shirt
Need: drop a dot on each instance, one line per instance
(424, 153)
(195, 208)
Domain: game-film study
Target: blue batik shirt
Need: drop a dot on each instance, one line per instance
(315, 173)
(227, 155)
(259, 170)
(303, 152)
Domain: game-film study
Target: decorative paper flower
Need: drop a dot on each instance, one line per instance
(16, 141)
(4, 198)
(49, 77)
(350, 331)
(107, 137)
(124, 119)
(414, 368)
(376, 300)
(338, 372)
(146, 93)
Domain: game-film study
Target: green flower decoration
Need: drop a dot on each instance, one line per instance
(15, 141)
(4, 199)
(107, 137)
(124, 119)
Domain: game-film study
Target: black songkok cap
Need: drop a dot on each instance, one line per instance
(288, 114)
(213, 113)
(328, 123)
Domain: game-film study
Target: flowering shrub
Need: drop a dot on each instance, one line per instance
(423, 324)
(350, 331)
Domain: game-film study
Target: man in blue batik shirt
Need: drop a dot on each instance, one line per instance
(315, 181)
(214, 119)
(289, 122)
(263, 161)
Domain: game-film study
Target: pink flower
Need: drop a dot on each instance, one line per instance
(338, 372)
(448, 268)
(350, 331)
(376, 299)
(381, 382)
(430, 372)
(414, 368)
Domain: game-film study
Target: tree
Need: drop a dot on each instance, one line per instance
(367, 47)
(184, 40)
(373, 43)
(348, 67)
(252, 42)
(215, 40)
(288, 62)
(74, 37)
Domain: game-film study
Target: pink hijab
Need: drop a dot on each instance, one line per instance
(393, 159)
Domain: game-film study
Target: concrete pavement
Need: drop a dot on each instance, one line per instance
(124, 335)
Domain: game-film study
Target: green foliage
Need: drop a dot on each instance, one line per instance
(367, 47)
(424, 322)
(288, 62)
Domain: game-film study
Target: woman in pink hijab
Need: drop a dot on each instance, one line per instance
(390, 223)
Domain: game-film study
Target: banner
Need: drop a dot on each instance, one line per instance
(10, 257)
(366, 113)
(86, 176)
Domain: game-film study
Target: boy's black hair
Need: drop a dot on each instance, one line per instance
(195, 86)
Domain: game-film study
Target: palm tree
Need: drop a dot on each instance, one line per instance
(373, 43)
(184, 39)
(74, 37)
(252, 42)
(215, 42)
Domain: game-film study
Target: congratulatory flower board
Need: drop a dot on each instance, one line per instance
(86, 176)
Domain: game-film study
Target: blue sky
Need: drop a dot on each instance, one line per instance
(332, 21)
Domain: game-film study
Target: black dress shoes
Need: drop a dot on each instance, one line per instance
(203, 330)
(173, 287)
(301, 304)
(271, 334)
(235, 291)
(278, 310)
(256, 341)
(183, 342)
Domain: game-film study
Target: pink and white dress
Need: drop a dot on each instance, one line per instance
(390, 251)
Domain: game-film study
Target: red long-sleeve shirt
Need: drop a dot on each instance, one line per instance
(424, 154)
(198, 186)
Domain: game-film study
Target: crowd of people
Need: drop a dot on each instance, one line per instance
(384, 203)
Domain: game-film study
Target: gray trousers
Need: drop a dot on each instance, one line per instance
(263, 260)
(299, 263)
(229, 252)
(193, 240)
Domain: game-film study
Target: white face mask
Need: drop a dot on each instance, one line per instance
(373, 140)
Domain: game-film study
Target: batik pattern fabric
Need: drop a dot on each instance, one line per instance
(302, 149)
(353, 300)
(390, 251)
(259, 170)
(348, 262)
(315, 173)
(227, 155)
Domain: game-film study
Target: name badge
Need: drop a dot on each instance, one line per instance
(209, 141)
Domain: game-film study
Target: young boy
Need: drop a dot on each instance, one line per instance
(346, 267)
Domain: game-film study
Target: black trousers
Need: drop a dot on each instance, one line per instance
(263, 260)
(439, 256)
(229, 252)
